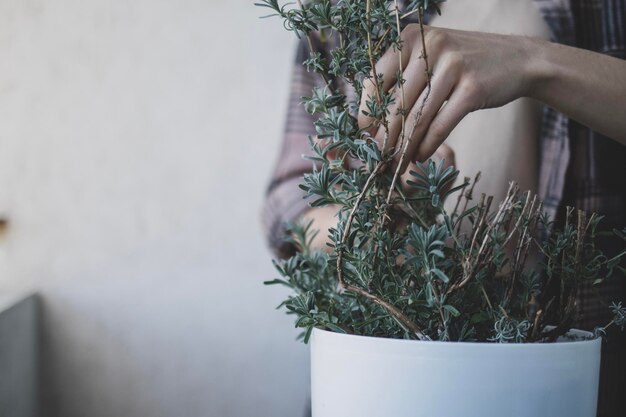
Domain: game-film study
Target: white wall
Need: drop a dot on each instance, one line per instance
(136, 139)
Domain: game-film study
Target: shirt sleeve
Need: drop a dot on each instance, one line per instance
(284, 200)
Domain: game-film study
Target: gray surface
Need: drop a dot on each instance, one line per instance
(18, 355)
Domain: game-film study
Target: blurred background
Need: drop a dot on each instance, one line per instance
(136, 142)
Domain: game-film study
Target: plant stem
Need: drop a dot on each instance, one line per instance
(402, 132)
(370, 51)
(418, 116)
(394, 311)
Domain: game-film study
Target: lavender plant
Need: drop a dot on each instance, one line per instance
(400, 265)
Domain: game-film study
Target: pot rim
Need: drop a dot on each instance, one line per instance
(485, 345)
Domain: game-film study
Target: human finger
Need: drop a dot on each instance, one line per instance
(423, 112)
(455, 109)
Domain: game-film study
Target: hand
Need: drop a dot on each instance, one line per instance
(470, 71)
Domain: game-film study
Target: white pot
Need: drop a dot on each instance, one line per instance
(374, 377)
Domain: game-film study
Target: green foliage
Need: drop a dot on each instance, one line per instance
(436, 179)
(399, 265)
(619, 314)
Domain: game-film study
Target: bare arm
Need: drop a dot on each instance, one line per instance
(587, 86)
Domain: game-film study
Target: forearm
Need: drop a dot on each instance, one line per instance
(586, 86)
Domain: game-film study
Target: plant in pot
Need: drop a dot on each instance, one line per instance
(414, 309)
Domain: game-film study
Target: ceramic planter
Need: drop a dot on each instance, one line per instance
(376, 377)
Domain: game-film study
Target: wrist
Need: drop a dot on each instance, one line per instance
(538, 68)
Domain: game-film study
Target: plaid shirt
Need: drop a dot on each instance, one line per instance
(578, 167)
